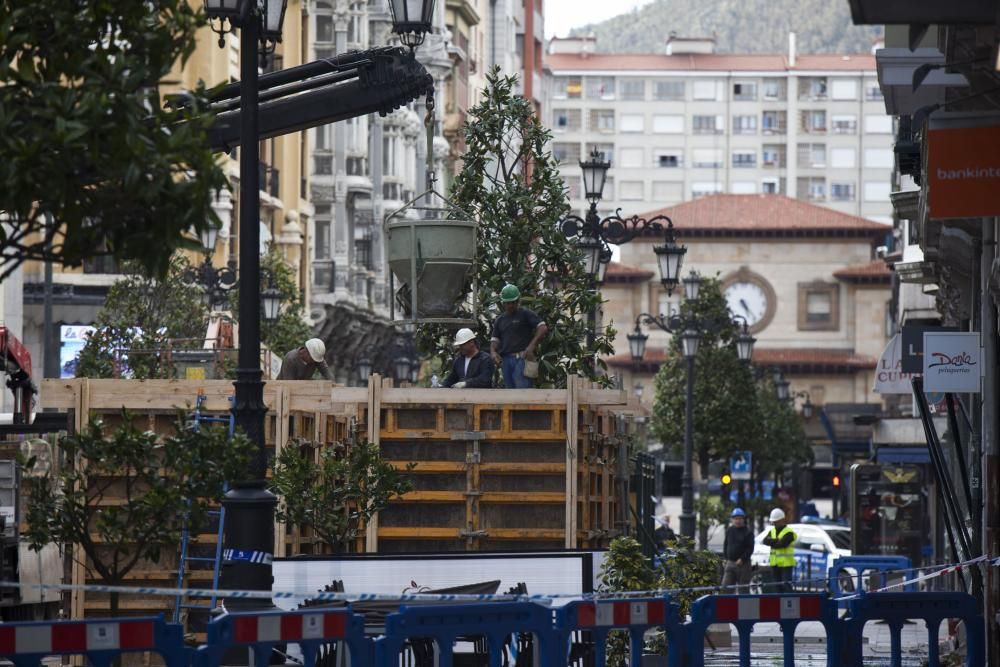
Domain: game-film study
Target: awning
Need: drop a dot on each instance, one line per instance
(917, 454)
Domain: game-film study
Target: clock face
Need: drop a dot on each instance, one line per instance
(747, 299)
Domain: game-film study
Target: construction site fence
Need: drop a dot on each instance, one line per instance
(498, 633)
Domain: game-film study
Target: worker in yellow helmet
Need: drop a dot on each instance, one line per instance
(781, 538)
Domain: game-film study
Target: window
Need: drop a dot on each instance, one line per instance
(773, 122)
(630, 190)
(878, 124)
(322, 165)
(843, 158)
(812, 155)
(773, 155)
(566, 120)
(818, 306)
(668, 90)
(631, 157)
(872, 91)
(600, 88)
(812, 88)
(743, 188)
(705, 188)
(567, 87)
(665, 191)
(811, 188)
(877, 192)
(633, 122)
(774, 89)
(668, 158)
(707, 124)
(602, 120)
(744, 159)
(744, 124)
(844, 124)
(769, 186)
(710, 158)
(574, 188)
(566, 152)
(878, 158)
(324, 28)
(813, 121)
(322, 247)
(744, 91)
(844, 89)
(322, 135)
(842, 191)
(706, 90)
(668, 124)
(632, 89)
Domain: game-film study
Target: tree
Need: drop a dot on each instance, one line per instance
(339, 493)
(784, 441)
(91, 163)
(138, 319)
(511, 185)
(123, 497)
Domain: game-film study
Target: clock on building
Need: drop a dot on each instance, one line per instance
(751, 296)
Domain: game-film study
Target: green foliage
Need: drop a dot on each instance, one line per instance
(726, 418)
(511, 185)
(85, 138)
(684, 566)
(712, 513)
(785, 438)
(337, 495)
(138, 319)
(625, 568)
(163, 483)
(739, 26)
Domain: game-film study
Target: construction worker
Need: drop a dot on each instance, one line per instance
(737, 549)
(303, 362)
(472, 368)
(516, 332)
(781, 539)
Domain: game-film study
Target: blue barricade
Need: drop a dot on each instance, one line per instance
(262, 632)
(744, 611)
(861, 564)
(497, 622)
(897, 608)
(101, 641)
(634, 615)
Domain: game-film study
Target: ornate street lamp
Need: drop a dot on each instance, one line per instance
(209, 236)
(692, 285)
(595, 173)
(591, 249)
(669, 257)
(401, 370)
(638, 390)
(781, 391)
(271, 299)
(411, 20)
(744, 342)
(807, 405)
(690, 341)
(637, 344)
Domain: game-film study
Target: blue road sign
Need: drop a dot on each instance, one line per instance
(740, 465)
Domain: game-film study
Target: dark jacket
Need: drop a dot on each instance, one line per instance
(738, 544)
(293, 368)
(480, 375)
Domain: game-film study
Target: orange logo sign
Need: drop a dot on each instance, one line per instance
(963, 172)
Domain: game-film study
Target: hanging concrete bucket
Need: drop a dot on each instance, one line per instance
(433, 248)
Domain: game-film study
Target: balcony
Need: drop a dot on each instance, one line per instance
(270, 180)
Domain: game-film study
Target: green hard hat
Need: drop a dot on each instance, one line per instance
(509, 293)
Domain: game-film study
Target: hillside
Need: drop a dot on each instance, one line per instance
(740, 26)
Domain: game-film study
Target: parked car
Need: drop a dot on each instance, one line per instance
(817, 546)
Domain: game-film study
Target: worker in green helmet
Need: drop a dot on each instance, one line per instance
(516, 333)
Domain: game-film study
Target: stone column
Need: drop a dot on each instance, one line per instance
(343, 229)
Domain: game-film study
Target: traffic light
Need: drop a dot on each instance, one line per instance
(725, 480)
(836, 481)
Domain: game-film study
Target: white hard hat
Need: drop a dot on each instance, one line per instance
(316, 349)
(464, 336)
(776, 515)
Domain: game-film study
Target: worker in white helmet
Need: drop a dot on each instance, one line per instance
(302, 363)
(472, 368)
(781, 538)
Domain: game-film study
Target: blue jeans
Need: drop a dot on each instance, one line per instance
(513, 373)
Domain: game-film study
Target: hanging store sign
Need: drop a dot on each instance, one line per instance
(952, 362)
(890, 378)
(912, 350)
(963, 171)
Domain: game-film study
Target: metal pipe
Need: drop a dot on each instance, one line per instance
(953, 425)
(48, 352)
(687, 490)
(230, 104)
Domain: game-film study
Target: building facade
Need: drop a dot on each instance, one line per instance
(690, 122)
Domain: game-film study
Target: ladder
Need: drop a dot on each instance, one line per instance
(186, 558)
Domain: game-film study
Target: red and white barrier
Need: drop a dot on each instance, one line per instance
(77, 637)
(289, 627)
(768, 608)
(617, 614)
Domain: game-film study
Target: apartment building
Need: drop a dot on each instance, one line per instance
(690, 122)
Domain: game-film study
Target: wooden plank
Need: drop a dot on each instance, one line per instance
(421, 532)
(280, 406)
(431, 466)
(423, 396)
(374, 430)
(571, 462)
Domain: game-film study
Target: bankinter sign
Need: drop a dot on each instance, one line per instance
(963, 170)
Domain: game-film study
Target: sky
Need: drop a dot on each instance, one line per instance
(561, 15)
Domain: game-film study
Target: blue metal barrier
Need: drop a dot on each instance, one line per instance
(446, 624)
(101, 641)
(263, 632)
(744, 611)
(861, 564)
(897, 608)
(635, 616)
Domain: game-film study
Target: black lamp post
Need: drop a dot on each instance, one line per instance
(690, 331)
(364, 366)
(807, 404)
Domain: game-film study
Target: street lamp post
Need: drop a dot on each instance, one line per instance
(690, 330)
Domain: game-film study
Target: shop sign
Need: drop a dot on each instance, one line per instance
(913, 346)
(963, 172)
(952, 362)
(890, 378)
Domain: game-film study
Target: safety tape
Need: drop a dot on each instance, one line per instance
(946, 569)
(323, 596)
(258, 557)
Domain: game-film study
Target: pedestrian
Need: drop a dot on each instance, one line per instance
(737, 549)
(472, 368)
(516, 332)
(781, 539)
(663, 533)
(303, 362)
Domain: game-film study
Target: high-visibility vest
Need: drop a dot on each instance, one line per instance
(782, 556)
